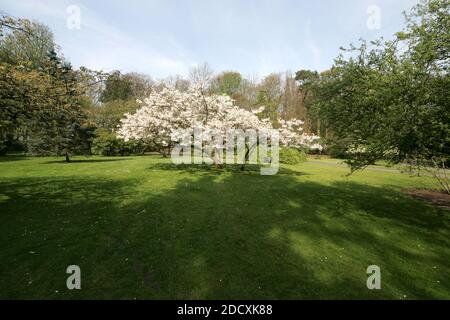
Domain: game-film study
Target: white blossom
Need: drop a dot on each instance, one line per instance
(166, 117)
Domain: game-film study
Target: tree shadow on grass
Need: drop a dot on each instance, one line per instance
(277, 237)
(219, 237)
(12, 158)
(248, 169)
(62, 161)
(49, 223)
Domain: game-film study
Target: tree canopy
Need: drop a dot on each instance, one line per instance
(389, 99)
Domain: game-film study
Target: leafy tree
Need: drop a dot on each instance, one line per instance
(40, 92)
(118, 97)
(292, 101)
(141, 85)
(29, 43)
(306, 80)
(107, 144)
(292, 155)
(117, 87)
(56, 128)
(108, 115)
(246, 95)
(270, 93)
(227, 82)
(389, 100)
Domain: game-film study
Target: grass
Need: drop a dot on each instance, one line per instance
(141, 228)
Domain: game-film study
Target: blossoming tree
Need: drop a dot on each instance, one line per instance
(166, 116)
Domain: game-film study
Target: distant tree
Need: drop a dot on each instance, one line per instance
(108, 115)
(227, 82)
(293, 105)
(201, 76)
(27, 43)
(119, 96)
(117, 87)
(141, 84)
(247, 94)
(306, 80)
(270, 92)
(176, 81)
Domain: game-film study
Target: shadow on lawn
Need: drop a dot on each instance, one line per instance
(11, 158)
(62, 161)
(218, 237)
(250, 169)
(277, 237)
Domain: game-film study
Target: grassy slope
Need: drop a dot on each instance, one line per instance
(140, 228)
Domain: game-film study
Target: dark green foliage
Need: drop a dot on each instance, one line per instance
(109, 114)
(306, 77)
(3, 148)
(84, 139)
(389, 100)
(117, 87)
(337, 148)
(40, 102)
(227, 83)
(107, 144)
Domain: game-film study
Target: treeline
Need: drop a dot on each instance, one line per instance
(278, 92)
(49, 108)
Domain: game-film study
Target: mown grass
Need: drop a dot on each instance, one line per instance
(142, 228)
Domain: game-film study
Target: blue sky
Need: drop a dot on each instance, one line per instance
(166, 37)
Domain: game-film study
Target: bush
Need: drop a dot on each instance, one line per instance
(3, 148)
(292, 156)
(338, 148)
(337, 151)
(83, 142)
(107, 144)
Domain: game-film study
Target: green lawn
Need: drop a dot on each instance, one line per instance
(141, 228)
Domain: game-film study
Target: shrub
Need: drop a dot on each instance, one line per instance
(337, 151)
(107, 144)
(292, 156)
(3, 148)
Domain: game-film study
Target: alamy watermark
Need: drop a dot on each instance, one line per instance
(74, 280)
(374, 17)
(73, 20)
(374, 280)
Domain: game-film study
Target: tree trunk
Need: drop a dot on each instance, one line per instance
(247, 152)
(440, 174)
(216, 159)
